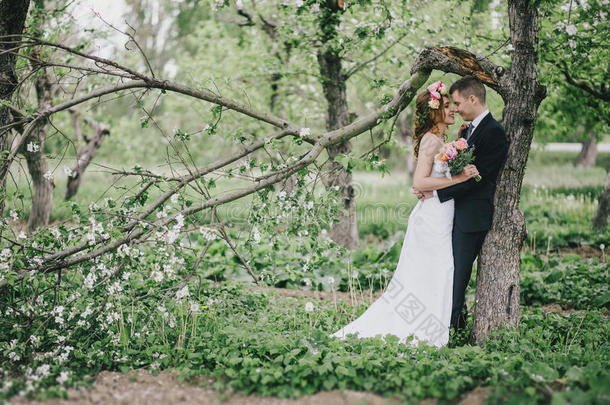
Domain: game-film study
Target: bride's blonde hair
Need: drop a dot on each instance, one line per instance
(426, 118)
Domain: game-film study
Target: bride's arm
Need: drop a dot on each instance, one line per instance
(422, 181)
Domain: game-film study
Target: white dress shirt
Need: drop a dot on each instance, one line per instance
(474, 123)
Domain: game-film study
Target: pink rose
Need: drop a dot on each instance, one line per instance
(451, 153)
(461, 144)
(435, 95)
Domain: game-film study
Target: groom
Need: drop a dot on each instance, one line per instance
(474, 201)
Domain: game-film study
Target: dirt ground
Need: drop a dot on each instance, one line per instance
(141, 387)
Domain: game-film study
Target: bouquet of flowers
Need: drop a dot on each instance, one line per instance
(457, 155)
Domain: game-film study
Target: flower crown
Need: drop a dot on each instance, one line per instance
(436, 89)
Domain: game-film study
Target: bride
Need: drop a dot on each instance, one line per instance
(417, 301)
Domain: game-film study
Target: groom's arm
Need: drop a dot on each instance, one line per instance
(489, 160)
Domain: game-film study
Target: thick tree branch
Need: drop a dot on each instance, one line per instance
(462, 62)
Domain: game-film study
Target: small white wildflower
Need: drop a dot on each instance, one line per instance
(309, 307)
(63, 377)
(43, 371)
(602, 246)
(22, 235)
(307, 282)
(174, 198)
(14, 215)
(331, 280)
(304, 132)
(571, 29)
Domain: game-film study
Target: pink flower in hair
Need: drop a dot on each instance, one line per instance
(435, 95)
(435, 86)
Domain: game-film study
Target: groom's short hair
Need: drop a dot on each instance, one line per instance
(468, 85)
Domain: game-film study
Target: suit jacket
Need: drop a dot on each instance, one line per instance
(474, 201)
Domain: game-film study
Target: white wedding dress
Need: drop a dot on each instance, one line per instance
(418, 298)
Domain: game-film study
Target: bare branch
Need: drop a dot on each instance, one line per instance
(602, 95)
(356, 68)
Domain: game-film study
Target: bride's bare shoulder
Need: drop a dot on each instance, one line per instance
(430, 144)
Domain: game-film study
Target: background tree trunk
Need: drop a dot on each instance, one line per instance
(12, 20)
(42, 193)
(497, 282)
(85, 153)
(588, 153)
(600, 220)
(405, 134)
(345, 231)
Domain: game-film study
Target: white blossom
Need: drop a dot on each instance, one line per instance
(183, 292)
(48, 175)
(14, 215)
(309, 307)
(174, 198)
(304, 132)
(157, 276)
(256, 235)
(22, 235)
(571, 29)
(63, 377)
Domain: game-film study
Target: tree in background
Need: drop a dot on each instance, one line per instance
(576, 65)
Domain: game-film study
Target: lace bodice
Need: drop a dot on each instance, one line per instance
(439, 168)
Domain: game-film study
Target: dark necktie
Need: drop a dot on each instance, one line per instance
(469, 131)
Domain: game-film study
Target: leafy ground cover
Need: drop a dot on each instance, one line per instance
(217, 329)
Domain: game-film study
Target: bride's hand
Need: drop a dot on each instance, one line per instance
(469, 171)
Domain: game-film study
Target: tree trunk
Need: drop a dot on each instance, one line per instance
(12, 20)
(42, 193)
(600, 220)
(345, 231)
(85, 154)
(405, 134)
(588, 153)
(497, 282)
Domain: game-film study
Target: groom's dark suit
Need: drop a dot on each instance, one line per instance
(474, 206)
